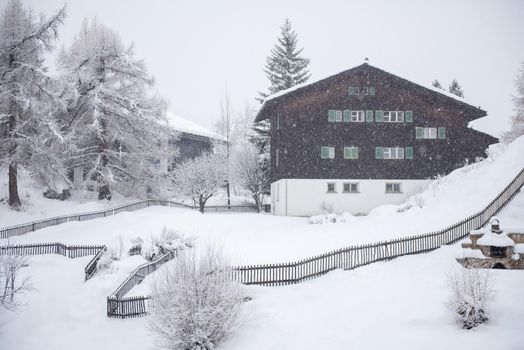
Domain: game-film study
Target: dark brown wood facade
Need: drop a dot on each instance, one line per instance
(303, 128)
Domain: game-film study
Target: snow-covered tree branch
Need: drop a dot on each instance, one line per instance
(200, 178)
(195, 302)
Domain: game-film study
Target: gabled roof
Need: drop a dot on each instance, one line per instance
(284, 93)
(184, 125)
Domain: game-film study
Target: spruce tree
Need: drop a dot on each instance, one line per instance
(285, 67)
(517, 120)
(436, 84)
(455, 88)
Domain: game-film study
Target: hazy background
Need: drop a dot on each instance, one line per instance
(197, 48)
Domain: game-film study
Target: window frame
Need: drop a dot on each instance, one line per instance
(334, 184)
(393, 186)
(330, 152)
(395, 153)
(360, 116)
(350, 187)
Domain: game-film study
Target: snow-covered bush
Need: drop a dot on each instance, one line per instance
(136, 246)
(331, 218)
(470, 291)
(10, 284)
(112, 254)
(195, 303)
(168, 240)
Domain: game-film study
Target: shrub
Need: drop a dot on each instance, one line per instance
(470, 291)
(10, 283)
(195, 303)
(169, 240)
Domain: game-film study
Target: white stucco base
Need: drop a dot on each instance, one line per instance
(306, 197)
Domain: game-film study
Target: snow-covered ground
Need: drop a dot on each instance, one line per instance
(396, 305)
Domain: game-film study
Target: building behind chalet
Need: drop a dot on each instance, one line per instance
(363, 138)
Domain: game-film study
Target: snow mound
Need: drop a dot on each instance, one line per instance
(331, 218)
(386, 209)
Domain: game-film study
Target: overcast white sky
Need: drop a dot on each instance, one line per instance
(197, 48)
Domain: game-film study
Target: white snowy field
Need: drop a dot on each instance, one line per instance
(396, 305)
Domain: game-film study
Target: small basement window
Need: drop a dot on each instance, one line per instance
(350, 187)
(331, 187)
(393, 187)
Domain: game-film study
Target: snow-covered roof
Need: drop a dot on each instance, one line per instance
(180, 124)
(495, 239)
(310, 82)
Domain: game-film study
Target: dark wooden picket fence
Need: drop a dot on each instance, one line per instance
(36, 225)
(120, 306)
(70, 251)
(355, 256)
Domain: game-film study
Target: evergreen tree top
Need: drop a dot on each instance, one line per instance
(285, 67)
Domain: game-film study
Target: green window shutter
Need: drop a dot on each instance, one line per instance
(324, 152)
(409, 153)
(347, 115)
(332, 115)
(351, 91)
(408, 116)
(379, 116)
(347, 152)
(441, 133)
(354, 153)
(379, 153)
(372, 91)
(369, 116)
(419, 133)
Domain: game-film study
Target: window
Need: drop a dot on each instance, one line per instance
(331, 187)
(357, 116)
(379, 116)
(364, 91)
(327, 152)
(392, 153)
(425, 133)
(393, 116)
(350, 152)
(338, 116)
(350, 187)
(393, 187)
(354, 90)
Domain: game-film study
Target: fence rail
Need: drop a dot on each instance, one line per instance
(120, 306)
(21, 229)
(70, 251)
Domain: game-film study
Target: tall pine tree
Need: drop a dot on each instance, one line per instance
(285, 67)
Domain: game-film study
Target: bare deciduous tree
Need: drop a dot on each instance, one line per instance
(10, 283)
(251, 173)
(200, 178)
(195, 303)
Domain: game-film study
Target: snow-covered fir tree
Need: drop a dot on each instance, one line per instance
(114, 121)
(28, 97)
(517, 120)
(455, 88)
(285, 67)
(436, 84)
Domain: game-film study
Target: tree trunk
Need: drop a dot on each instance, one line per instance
(228, 196)
(257, 202)
(14, 199)
(201, 205)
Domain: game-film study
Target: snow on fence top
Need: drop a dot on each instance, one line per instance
(180, 124)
